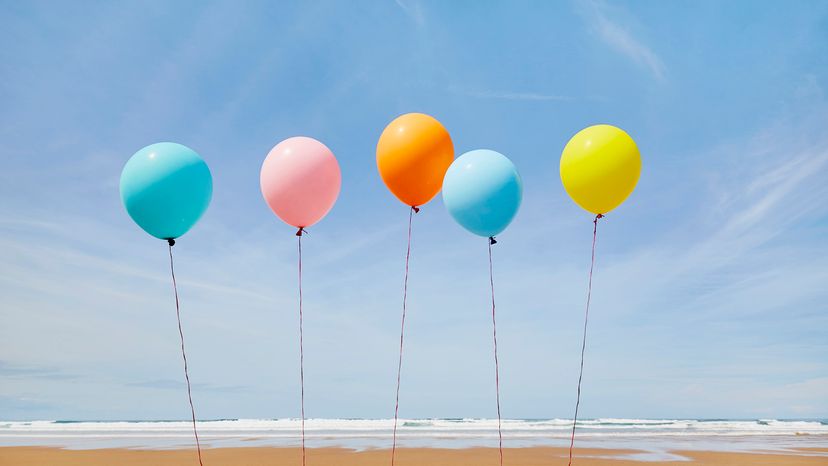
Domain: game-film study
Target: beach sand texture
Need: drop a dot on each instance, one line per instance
(40, 456)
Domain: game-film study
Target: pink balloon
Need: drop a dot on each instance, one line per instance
(300, 180)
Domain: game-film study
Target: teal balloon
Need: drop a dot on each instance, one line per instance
(166, 187)
(482, 190)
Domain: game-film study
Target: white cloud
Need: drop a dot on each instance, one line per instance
(619, 37)
(413, 10)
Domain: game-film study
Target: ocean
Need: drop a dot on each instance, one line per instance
(655, 438)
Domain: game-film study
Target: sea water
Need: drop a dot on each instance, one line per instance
(654, 438)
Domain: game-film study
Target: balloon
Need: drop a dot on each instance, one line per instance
(482, 191)
(166, 187)
(413, 154)
(300, 181)
(600, 167)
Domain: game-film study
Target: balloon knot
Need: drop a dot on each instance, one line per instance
(171, 242)
(599, 216)
(301, 231)
(415, 209)
(492, 240)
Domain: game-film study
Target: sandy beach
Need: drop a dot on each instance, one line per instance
(38, 456)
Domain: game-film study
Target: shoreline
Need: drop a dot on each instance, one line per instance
(277, 456)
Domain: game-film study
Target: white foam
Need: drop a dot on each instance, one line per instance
(359, 433)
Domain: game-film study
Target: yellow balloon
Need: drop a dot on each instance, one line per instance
(600, 167)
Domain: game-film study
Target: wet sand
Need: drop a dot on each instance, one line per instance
(40, 456)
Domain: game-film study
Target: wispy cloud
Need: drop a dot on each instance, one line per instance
(618, 36)
(9, 370)
(169, 384)
(13, 406)
(777, 183)
(413, 10)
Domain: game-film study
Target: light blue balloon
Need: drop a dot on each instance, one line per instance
(482, 190)
(166, 187)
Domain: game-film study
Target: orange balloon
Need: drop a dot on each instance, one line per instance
(413, 154)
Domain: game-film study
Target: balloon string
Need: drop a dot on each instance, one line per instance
(171, 242)
(497, 365)
(301, 346)
(583, 342)
(411, 213)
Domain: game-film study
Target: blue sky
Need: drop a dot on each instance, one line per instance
(709, 296)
